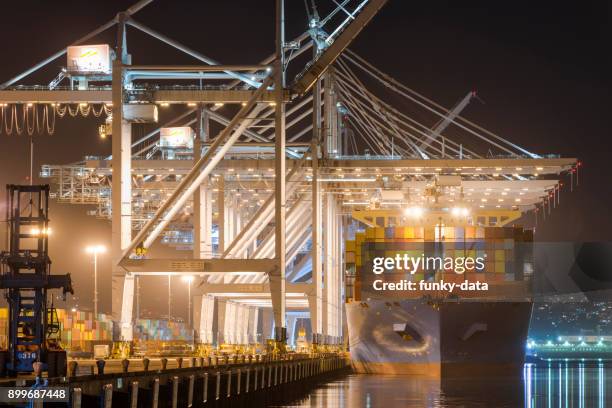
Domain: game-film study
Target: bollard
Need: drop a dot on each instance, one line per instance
(190, 391)
(145, 364)
(125, 364)
(72, 368)
(100, 364)
(275, 374)
(255, 373)
(238, 381)
(264, 371)
(179, 362)
(155, 393)
(193, 362)
(205, 387)
(134, 399)
(175, 384)
(262, 380)
(229, 383)
(218, 388)
(201, 359)
(248, 375)
(107, 396)
(164, 363)
(77, 395)
(269, 376)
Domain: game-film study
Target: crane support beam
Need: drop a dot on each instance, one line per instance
(308, 78)
(507, 165)
(181, 96)
(174, 96)
(468, 166)
(189, 51)
(252, 288)
(144, 266)
(43, 95)
(197, 68)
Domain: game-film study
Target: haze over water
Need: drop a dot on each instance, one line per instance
(558, 384)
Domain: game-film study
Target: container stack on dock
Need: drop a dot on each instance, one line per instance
(80, 331)
(501, 248)
(162, 330)
(79, 327)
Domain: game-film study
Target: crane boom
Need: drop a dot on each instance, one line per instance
(313, 72)
(443, 123)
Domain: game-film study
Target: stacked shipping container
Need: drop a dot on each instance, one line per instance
(500, 247)
(79, 330)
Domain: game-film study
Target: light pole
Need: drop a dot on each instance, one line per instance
(95, 250)
(188, 279)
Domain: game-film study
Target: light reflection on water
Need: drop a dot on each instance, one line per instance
(549, 385)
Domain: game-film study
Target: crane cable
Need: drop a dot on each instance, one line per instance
(41, 118)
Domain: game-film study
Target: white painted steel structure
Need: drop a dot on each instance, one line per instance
(265, 203)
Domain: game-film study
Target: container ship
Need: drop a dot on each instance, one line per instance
(439, 332)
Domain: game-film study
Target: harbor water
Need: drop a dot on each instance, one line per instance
(551, 384)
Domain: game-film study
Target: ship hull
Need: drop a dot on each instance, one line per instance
(438, 338)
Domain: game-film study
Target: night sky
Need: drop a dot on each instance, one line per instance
(542, 69)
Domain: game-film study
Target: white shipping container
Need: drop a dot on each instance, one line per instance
(89, 58)
(176, 137)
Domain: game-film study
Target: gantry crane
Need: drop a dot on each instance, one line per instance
(26, 278)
